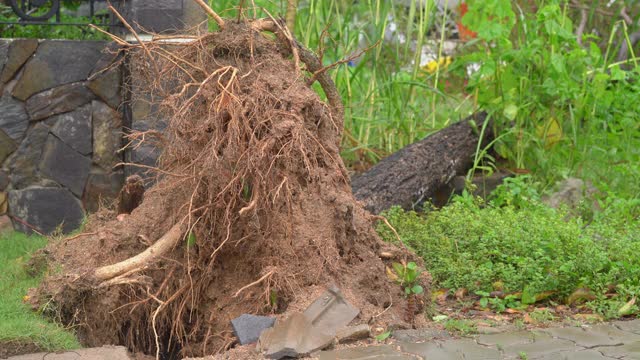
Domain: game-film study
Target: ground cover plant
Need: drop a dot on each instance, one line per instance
(516, 251)
(22, 330)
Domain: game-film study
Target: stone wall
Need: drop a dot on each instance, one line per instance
(60, 131)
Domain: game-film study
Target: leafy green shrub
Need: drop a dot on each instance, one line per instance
(561, 108)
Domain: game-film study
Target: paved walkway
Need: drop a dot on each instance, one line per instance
(618, 340)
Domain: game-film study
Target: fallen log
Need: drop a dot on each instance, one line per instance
(414, 174)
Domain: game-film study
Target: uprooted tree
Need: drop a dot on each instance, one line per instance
(252, 211)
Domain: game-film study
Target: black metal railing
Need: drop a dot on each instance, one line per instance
(47, 12)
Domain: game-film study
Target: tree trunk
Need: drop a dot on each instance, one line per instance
(414, 174)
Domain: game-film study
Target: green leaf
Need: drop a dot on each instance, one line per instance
(383, 336)
(417, 289)
(412, 266)
(407, 290)
(484, 302)
(510, 111)
(191, 239)
(399, 269)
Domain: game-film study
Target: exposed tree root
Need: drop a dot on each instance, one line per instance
(161, 247)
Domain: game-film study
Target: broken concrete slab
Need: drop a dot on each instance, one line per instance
(313, 330)
(248, 328)
(294, 337)
(331, 311)
(353, 333)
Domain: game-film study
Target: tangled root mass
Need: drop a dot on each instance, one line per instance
(251, 174)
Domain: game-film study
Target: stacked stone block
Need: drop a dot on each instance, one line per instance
(60, 131)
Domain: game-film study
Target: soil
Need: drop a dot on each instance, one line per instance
(251, 171)
(17, 347)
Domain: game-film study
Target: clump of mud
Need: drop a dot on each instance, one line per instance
(251, 174)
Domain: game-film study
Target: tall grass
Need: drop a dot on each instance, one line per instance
(535, 78)
(389, 101)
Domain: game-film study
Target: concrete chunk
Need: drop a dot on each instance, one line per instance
(331, 311)
(302, 334)
(353, 333)
(293, 337)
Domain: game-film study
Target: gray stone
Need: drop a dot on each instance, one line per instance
(469, 350)
(107, 135)
(143, 153)
(45, 209)
(384, 352)
(248, 328)
(3, 203)
(4, 180)
(58, 100)
(58, 62)
(540, 348)
(74, 129)
(578, 355)
(102, 188)
(107, 87)
(20, 51)
(417, 335)
(4, 51)
(632, 326)
(13, 117)
(22, 164)
(571, 192)
(7, 146)
(611, 331)
(106, 352)
(506, 339)
(65, 165)
(585, 338)
(430, 350)
(627, 351)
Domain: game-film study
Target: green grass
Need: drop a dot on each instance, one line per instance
(19, 323)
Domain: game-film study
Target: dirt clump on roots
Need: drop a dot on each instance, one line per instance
(251, 211)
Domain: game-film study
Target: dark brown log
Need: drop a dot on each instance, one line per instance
(414, 174)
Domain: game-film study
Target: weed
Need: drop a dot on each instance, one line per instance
(462, 327)
(407, 276)
(542, 316)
